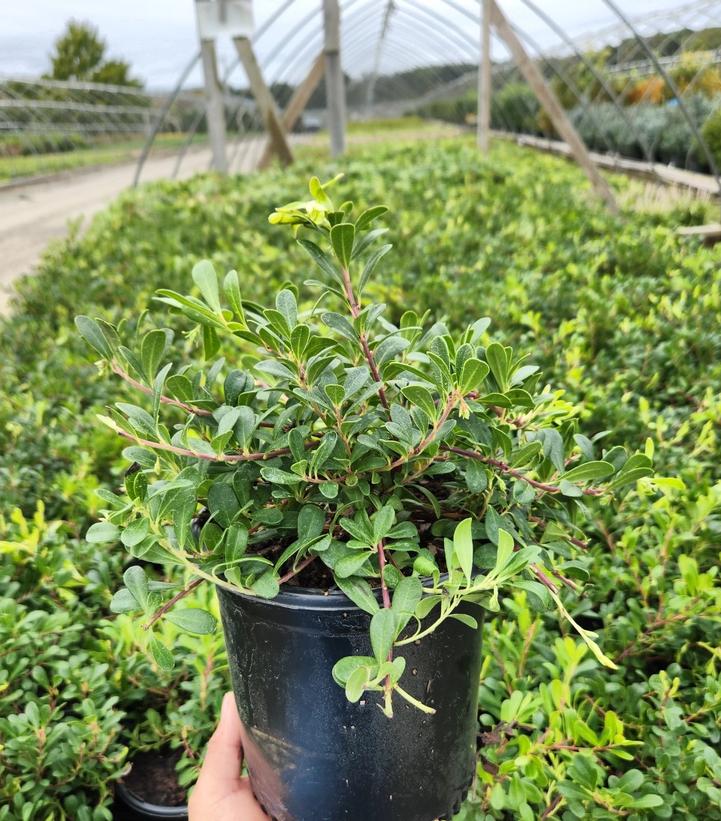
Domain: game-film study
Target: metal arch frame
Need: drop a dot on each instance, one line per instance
(161, 118)
(597, 75)
(448, 26)
(428, 37)
(672, 85)
(387, 14)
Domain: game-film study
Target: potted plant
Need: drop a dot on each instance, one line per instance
(360, 491)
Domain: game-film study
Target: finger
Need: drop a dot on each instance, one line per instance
(224, 755)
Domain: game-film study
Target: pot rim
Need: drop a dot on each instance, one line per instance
(135, 802)
(302, 598)
(308, 598)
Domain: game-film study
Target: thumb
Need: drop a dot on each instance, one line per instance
(224, 755)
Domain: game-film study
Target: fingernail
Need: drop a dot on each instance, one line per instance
(227, 706)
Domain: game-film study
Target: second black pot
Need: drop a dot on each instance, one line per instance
(314, 756)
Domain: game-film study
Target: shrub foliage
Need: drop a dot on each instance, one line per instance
(621, 314)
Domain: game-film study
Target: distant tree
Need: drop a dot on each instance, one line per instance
(80, 55)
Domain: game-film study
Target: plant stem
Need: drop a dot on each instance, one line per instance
(354, 306)
(504, 468)
(414, 701)
(384, 586)
(421, 446)
(387, 684)
(302, 566)
(181, 594)
(165, 400)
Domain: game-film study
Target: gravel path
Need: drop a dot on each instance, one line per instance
(34, 214)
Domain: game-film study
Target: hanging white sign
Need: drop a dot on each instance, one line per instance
(232, 18)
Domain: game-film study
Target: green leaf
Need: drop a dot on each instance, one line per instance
(505, 549)
(498, 362)
(321, 259)
(356, 684)
(463, 546)
(276, 476)
(91, 332)
(345, 667)
(383, 634)
(647, 802)
(152, 349)
(360, 593)
(137, 583)
(473, 373)
(287, 306)
(319, 194)
(464, 618)
(123, 601)
(161, 654)
(206, 279)
(102, 533)
(406, 597)
(349, 565)
(135, 532)
(383, 521)
(341, 238)
(266, 585)
(588, 472)
(231, 286)
(421, 397)
(371, 264)
(311, 520)
(192, 620)
(370, 214)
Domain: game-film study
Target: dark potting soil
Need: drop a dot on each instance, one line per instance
(153, 778)
(317, 575)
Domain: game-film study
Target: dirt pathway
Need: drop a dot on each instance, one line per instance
(32, 215)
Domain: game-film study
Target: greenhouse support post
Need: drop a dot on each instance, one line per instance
(334, 81)
(484, 79)
(297, 104)
(552, 106)
(214, 106)
(264, 100)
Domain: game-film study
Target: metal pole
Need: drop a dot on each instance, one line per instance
(334, 82)
(549, 101)
(214, 106)
(484, 80)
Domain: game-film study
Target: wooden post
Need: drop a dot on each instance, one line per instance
(334, 83)
(264, 100)
(550, 103)
(214, 106)
(484, 80)
(297, 104)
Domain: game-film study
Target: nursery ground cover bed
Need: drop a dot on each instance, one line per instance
(623, 315)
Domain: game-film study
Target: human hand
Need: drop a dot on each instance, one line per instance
(221, 794)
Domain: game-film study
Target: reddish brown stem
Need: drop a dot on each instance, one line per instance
(421, 446)
(503, 467)
(165, 400)
(161, 611)
(302, 566)
(354, 306)
(229, 458)
(386, 604)
(381, 565)
(543, 578)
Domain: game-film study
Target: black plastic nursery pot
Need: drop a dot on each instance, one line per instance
(314, 756)
(146, 792)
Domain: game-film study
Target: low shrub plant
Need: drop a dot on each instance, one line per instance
(350, 442)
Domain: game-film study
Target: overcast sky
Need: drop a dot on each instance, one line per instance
(158, 36)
